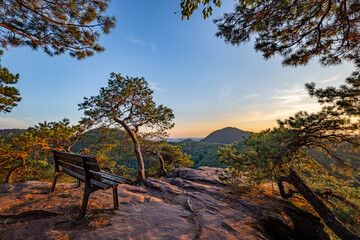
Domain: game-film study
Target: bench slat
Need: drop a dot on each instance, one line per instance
(91, 165)
(109, 182)
(73, 168)
(71, 161)
(74, 174)
(93, 182)
(93, 174)
(112, 177)
(68, 157)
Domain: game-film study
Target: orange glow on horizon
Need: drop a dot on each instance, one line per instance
(197, 131)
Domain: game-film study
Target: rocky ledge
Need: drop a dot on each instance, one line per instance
(187, 204)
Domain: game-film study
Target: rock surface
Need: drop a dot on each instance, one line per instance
(188, 204)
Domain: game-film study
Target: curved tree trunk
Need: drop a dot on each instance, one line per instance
(163, 171)
(14, 169)
(8, 176)
(324, 212)
(140, 166)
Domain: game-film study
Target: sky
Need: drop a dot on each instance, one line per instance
(209, 84)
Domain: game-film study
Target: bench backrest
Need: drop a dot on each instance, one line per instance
(79, 166)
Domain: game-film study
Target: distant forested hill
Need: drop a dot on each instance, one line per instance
(203, 153)
(226, 135)
(4, 132)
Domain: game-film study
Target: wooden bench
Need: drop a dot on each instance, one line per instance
(86, 169)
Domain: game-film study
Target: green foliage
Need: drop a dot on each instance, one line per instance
(55, 26)
(112, 148)
(296, 30)
(291, 147)
(15, 131)
(345, 98)
(155, 152)
(204, 153)
(128, 100)
(174, 158)
(271, 154)
(23, 156)
(189, 6)
(9, 96)
(315, 146)
(108, 145)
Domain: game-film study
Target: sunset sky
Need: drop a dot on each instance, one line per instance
(208, 84)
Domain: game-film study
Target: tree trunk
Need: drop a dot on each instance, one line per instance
(324, 212)
(14, 169)
(163, 171)
(140, 166)
(284, 194)
(8, 176)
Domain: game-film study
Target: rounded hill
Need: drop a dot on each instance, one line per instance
(226, 135)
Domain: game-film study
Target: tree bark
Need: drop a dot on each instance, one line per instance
(324, 212)
(284, 194)
(140, 166)
(14, 169)
(8, 176)
(163, 171)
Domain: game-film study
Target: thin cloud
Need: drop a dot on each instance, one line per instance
(283, 104)
(140, 42)
(331, 79)
(29, 118)
(261, 113)
(254, 95)
(12, 123)
(226, 95)
(290, 96)
(154, 86)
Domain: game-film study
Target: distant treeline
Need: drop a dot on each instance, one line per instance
(4, 132)
(204, 153)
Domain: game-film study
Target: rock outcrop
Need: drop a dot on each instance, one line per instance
(187, 204)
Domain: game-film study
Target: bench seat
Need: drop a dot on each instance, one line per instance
(86, 169)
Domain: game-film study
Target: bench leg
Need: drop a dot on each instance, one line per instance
(84, 204)
(54, 181)
(78, 183)
(115, 198)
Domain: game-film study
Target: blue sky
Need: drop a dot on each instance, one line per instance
(208, 84)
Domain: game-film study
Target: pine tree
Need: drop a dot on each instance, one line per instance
(296, 30)
(9, 96)
(20, 154)
(55, 26)
(128, 102)
(283, 154)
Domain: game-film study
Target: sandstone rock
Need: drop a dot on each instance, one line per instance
(164, 187)
(278, 224)
(202, 174)
(159, 211)
(306, 225)
(190, 185)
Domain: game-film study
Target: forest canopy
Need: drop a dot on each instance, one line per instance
(296, 30)
(55, 27)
